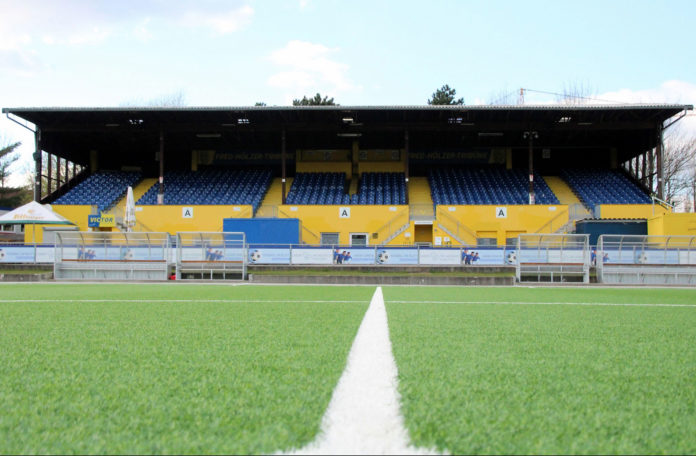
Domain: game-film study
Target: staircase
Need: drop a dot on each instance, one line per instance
(353, 187)
(420, 200)
(273, 198)
(119, 209)
(562, 190)
(138, 191)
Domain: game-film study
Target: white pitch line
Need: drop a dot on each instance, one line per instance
(179, 300)
(551, 303)
(363, 416)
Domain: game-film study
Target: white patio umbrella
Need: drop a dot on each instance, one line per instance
(129, 218)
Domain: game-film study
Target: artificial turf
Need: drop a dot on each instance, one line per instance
(541, 379)
(170, 373)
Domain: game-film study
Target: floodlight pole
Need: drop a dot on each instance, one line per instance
(531, 135)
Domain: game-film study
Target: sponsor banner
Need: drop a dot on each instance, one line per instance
(269, 256)
(440, 256)
(19, 254)
(532, 256)
(45, 254)
(688, 257)
(627, 256)
(354, 255)
(114, 253)
(396, 256)
(488, 256)
(566, 256)
(657, 257)
(101, 221)
(211, 254)
(312, 256)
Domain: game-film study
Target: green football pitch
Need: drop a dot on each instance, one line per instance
(181, 368)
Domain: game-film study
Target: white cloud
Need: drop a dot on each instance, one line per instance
(221, 22)
(310, 66)
(673, 91)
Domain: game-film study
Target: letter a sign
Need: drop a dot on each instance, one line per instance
(187, 212)
(343, 212)
(501, 212)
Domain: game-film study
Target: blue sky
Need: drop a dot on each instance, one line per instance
(235, 52)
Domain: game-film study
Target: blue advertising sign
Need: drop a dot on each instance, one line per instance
(396, 256)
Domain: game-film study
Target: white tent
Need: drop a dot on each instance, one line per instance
(33, 213)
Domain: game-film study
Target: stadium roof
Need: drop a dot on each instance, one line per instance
(71, 132)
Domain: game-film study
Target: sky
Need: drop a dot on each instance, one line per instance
(239, 52)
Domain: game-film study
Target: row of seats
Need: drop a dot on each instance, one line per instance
(330, 188)
(318, 188)
(215, 187)
(601, 186)
(479, 185)
(381, 188)
(102, 189)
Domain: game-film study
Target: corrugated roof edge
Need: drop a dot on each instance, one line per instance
(361, 108)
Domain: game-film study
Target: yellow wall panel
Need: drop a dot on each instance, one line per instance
(405, 238)
(75, 213)
(644, 211)
(383, 220)
(673, 224)
(170, 219)
(381, 167)
(325, 167)
(467, 221)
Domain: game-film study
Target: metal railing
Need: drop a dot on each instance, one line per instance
(456, 228)
(393, 225)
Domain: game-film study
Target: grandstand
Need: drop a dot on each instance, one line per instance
(427, 175)
(102, 189)
(601, 186)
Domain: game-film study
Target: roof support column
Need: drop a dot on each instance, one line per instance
(658, 152)
(282, 160)
(49, 180)
(160, 193)
(58, 160)
(644, 170)
(530, 136)
(406, 159)
(38, 166)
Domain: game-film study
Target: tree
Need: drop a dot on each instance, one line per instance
(171, 100)
(678, 165)
(445, 96)
(7, 158)
(10, 196)
(317, 100)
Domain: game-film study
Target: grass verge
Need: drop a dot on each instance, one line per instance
(165, 376)
(540, 379)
